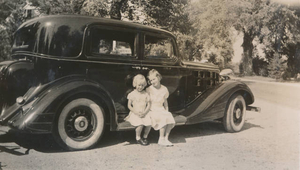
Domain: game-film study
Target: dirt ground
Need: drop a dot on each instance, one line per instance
(269, 140)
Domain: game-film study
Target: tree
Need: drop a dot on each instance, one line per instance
(260, 66)
(293, 60)
(189, 50)
(276, 66)
(11, 16)
(213, 29)
(5, 46)
(292, 47)
(248, 17)
(48, 7)
(282, 37)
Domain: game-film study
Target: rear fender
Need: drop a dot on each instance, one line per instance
(16, 77)
(48, 102)
(212, 104)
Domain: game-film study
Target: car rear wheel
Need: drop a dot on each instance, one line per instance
(235, 114)
(80, 125)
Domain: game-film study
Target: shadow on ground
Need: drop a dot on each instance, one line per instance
(42, 143)
(178, 135)
(46, 143)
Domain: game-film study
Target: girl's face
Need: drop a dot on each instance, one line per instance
(140, 86)
(154, 80)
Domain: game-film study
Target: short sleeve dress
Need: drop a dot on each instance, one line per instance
(139, 101)
(159, 115)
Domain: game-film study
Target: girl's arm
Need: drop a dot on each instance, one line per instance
(130, 106)
(166, 106)
(147, 107)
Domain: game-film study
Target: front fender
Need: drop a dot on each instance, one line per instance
(50, 98)
(211, 104)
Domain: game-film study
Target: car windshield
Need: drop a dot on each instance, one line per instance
(49, 38)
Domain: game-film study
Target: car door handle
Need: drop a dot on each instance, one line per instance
(136, 67)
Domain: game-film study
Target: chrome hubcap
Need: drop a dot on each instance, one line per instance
(81, 123)
(238, 113)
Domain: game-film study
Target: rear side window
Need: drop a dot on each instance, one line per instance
(159, 48)
(106, 43)
(50, 38)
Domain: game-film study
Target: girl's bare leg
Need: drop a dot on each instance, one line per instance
(169, 127)
(162, 132)
(146, 131)
(138, 132)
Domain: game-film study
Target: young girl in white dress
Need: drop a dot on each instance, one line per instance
(161, 118)
(139, 105)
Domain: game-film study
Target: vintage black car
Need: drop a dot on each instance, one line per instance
(70, 76)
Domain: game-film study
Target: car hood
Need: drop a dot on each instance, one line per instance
(198, 65)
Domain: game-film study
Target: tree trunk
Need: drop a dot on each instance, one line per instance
(246, 64)
(296, 63)
(115, 10)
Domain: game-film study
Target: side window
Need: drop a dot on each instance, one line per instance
(159, 48)
(111, 43)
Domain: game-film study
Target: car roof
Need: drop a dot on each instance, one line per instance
(87, 20)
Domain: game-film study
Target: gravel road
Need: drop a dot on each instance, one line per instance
(269, 140)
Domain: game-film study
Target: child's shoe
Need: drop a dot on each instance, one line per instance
(141, 142)
(145, 141)
(168, 143)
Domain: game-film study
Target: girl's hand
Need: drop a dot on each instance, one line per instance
(141, 115)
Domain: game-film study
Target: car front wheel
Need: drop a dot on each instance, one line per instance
(80, 124)
(235, 114)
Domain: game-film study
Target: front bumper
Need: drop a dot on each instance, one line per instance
(253, 109)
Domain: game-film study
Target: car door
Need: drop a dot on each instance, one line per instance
(114, 61)
(160, 54)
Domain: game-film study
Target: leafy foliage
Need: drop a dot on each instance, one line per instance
(11, 16)
(276, 66)
(281, 36)
(260, 66)
(204, 29)
(249, 17)
(213, 30)
(4, 44)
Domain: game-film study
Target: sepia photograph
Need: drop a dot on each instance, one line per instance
(150, 84)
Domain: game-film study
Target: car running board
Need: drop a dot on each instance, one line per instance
(179, 119)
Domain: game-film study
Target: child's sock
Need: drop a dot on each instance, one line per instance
(161, 140)
(137, 137)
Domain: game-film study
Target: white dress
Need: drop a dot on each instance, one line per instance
(139, 101)
(159, 115)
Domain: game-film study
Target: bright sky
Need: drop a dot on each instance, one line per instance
(288, 2)
(238, 50)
